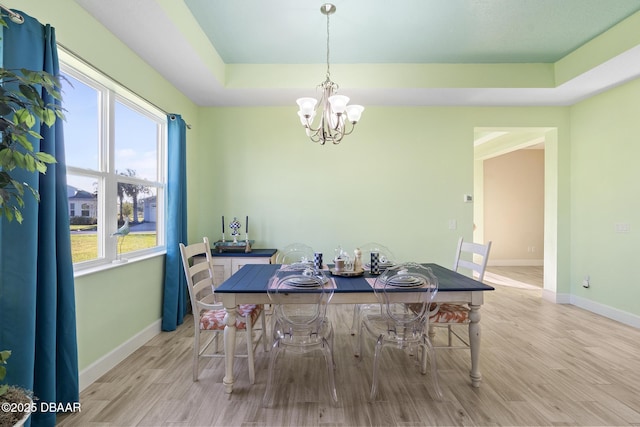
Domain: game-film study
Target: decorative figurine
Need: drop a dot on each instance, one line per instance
(357, 263)
(235, 226)
(238, 243)
(121, 233)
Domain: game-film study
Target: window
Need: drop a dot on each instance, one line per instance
(115, 152)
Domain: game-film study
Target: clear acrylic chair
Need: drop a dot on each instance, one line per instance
(397, 288)
(209, 314)
(300, 323)
(471, 258)
(295, 253)
(387, 259)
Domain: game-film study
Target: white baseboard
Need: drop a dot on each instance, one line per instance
(606, 311)
(594, 307)
(515, 262)
(107, 362)
(556, 298)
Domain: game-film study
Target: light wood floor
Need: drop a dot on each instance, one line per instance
(531, 275)
(542, 364)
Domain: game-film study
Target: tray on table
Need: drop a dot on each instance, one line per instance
(231, 246)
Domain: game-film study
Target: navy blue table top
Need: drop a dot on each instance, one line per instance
(253, 278)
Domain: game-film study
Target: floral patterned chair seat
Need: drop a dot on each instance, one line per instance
(213, 320)
(472, 257)
(449, 313)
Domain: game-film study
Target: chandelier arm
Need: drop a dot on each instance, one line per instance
(316, 138)
(337, 138)
(345, 132)
(310, 127)
(315, 133)
(339, 122)
(312, 133)
(334, 132)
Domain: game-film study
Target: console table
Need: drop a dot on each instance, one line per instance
(228, 263)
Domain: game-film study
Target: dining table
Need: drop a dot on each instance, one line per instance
(249, 286)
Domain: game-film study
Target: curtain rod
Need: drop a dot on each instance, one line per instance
(15, 17)
(94, 68)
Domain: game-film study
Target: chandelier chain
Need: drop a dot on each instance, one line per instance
(328, 71)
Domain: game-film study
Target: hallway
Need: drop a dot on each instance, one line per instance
(526, 277)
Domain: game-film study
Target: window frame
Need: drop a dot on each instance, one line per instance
(110, 92)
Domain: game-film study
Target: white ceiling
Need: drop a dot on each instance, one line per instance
(181, 39)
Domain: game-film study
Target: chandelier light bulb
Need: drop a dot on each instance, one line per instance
(307, 105)
(354, 112)
(338, 103)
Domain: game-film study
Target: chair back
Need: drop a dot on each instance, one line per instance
(385, 253)
(295, 253)
(418, 286)
(300, 299)
(198, 269)
(472, 256)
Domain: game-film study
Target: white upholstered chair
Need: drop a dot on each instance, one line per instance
(471, 259)
(208, 313)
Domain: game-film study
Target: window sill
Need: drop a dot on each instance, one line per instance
(108, 266)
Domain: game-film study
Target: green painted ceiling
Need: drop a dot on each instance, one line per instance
(405, 31)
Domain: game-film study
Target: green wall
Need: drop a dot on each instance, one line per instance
(115, 305)
(605, 191)
(398, 179)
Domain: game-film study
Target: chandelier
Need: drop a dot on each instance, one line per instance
(337, 119)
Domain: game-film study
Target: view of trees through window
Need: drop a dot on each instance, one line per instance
(114, 147)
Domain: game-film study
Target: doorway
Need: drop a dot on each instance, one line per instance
(532, 245)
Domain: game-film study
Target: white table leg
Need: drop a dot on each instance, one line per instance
(229, 347)
(474, 344)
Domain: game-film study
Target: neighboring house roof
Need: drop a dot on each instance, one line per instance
(81, 194)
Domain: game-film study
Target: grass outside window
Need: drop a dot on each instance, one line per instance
(84, 247)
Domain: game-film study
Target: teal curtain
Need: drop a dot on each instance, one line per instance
(37, 300)
(174, 305)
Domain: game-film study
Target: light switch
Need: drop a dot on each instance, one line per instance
(622, 227)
